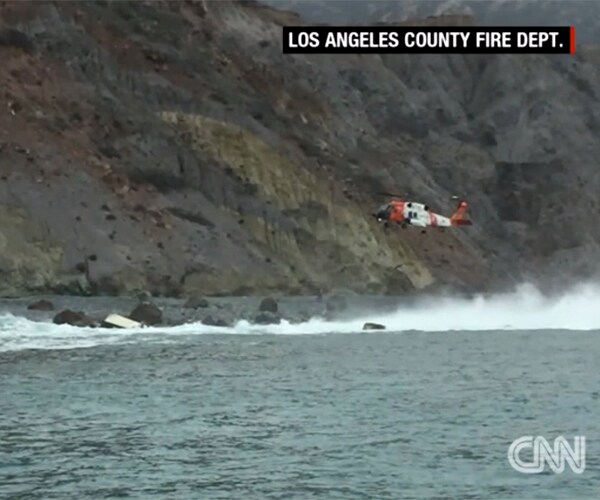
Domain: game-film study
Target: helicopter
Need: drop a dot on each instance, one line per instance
(411, 213)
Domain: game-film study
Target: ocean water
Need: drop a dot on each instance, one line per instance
(424, 410)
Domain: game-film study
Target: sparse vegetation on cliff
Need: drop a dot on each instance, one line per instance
(172, 147)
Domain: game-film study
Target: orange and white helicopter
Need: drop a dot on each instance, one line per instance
(410, 213)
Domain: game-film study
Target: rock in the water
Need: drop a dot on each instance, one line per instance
(74, 318)
(196, 303)
(267, 318)
(212, 321)
(268, 304)
(41, 305)
(300, 317)
(373, 326)
(147, 314)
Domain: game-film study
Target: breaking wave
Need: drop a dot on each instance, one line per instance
(525, 309)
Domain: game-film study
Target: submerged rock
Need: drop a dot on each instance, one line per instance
(300, 317)
(212, 321)
(267, 318)
(373, 326)
(41, 305)
(196, 303)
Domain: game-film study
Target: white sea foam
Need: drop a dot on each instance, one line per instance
(525, 309)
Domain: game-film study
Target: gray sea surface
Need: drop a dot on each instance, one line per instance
(385, 415)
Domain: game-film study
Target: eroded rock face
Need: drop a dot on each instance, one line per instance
(217, 165)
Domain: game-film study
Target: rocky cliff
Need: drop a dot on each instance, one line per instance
(583, 14)
(172, 147)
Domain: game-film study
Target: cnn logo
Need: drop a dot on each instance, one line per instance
(543, 454)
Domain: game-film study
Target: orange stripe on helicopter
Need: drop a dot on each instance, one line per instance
(397, 214)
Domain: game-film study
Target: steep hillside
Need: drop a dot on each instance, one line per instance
(171, 147)
(583, 14)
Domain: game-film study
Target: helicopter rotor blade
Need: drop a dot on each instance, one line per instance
(394, 195)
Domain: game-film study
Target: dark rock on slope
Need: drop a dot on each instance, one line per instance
(171, 147)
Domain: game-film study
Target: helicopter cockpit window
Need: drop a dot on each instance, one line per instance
(384, 211)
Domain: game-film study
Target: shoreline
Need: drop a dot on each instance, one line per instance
(215, 311)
